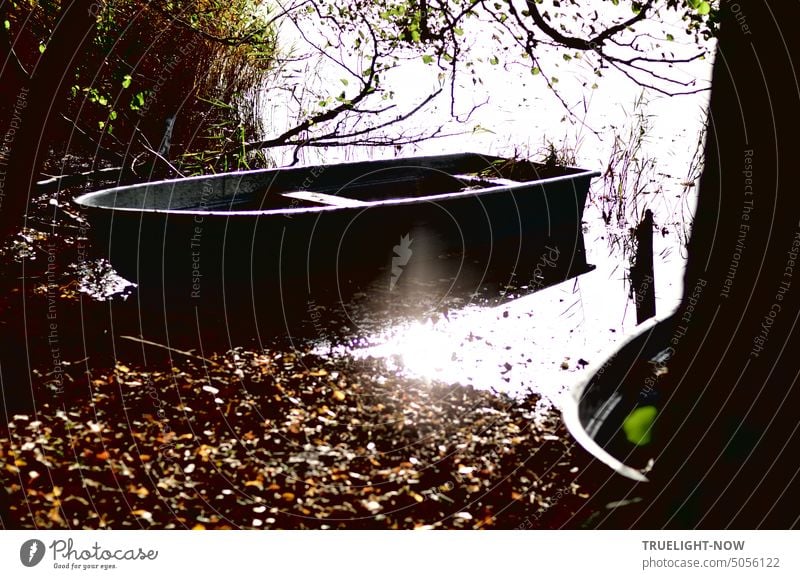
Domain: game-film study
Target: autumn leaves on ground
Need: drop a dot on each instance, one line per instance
(284, 440)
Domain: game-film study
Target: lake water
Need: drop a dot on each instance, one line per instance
(539, 342)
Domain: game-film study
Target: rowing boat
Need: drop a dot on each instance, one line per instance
(450, 223)
(323, 217)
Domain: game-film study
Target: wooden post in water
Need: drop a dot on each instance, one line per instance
(641, 273)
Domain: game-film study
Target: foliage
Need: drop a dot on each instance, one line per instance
(639, 424)
(161, 79)
(211, 62)
(630, 172)
(444, 31)
(364, 40)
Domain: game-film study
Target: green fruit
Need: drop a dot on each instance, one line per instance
(638, 425)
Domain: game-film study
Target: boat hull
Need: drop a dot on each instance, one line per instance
(527, 235)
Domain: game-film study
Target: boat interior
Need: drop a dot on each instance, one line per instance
(359, 191)
(345, 185)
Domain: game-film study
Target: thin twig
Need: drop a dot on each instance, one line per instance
(170, 349)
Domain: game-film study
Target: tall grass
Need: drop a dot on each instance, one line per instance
(693, 174)
(631, 171)
(157, 72)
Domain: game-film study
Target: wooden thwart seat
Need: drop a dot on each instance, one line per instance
(324, 199)
(484, 181)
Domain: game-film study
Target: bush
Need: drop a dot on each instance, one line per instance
(163, 83)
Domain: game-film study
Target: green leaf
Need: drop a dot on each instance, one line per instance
(344, 81)
(701, 6)
(6, 25)
(670, 37)
(494, 60)
(102, 100)
(481, 129)
(427, 58)
(126, 81)
(638, 425)
(553, 79)
(112, 116)
(535, 70)
(567, 57)
(42, 48)
(458, 31)
(137, 102)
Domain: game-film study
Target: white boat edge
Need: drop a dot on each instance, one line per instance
(570, 401)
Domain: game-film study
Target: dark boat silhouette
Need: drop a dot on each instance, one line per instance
(410, 230)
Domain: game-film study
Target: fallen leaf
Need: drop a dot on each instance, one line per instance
(140, 492)
(146, 515)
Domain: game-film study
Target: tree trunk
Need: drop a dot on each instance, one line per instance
(729, 413)
(27, 143)
(36, 107)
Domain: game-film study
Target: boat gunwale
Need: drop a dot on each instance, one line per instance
(82, 200)
(571, 402)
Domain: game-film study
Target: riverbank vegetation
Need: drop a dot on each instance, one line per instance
(161, 88)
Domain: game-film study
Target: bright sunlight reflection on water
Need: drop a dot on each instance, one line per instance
(542, 341)
(539, 342)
